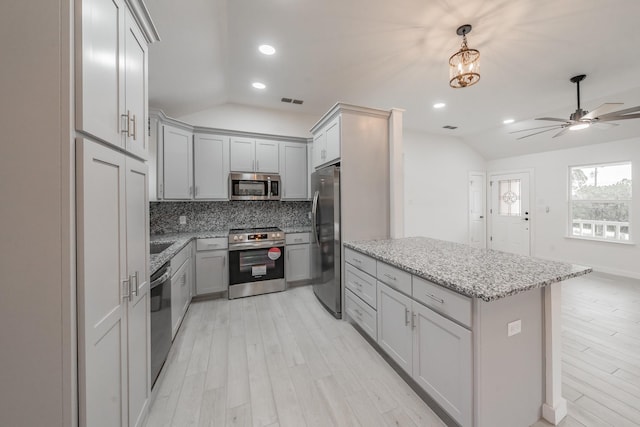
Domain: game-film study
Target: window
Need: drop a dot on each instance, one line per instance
(600, 201)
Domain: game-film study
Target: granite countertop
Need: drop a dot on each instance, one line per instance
(478, 273)
(180, 240)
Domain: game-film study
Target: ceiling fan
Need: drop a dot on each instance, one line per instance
(582, 119)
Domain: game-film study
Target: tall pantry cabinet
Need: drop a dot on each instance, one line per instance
(112, 207)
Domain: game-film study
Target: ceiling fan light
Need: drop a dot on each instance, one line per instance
(579, 126)
(464, 65)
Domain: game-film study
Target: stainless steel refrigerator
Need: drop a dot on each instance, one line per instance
(326, 241)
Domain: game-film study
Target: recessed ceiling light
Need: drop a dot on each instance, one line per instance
(508, 121)
(259, 85)
(267, 49)
(439, 105)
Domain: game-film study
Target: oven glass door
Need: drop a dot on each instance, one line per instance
(254, 265)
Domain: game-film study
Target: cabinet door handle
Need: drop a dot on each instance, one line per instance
(127, 116)
(435, 298)
(253, 164)
(413, 321)
(224, 261)
(388, 276)
(135, 126)
(126, 290)
(406, 316)
(133, 284)
(190, 190)
(257, 165)
(356, 260)
(196, 193)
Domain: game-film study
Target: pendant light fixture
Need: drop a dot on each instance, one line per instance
(464, 65)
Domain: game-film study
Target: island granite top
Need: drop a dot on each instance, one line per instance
(478, 273)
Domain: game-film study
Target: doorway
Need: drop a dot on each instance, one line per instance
(510, 213)
(477, 201)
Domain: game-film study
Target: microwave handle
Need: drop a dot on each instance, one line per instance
(269, 188)
(314, 214)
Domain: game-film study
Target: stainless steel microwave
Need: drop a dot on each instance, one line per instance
(254, 186)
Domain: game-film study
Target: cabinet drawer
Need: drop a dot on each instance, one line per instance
(211, 244)
(363, 262)
(362, 314)
(361, 284)
(296, 238)
(394, 277)
(179, 258)
(453, 305)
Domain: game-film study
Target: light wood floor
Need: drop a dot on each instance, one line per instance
(601, 351)
(281, 360)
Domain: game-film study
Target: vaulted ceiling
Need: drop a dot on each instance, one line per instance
(395, 54)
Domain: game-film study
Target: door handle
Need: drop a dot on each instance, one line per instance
(135, 125)
(314, 211)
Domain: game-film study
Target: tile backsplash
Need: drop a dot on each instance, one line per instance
(206, 216)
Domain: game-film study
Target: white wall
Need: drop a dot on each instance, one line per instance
(35, 227)
(252, 119)
(436, 185)
(551, 190)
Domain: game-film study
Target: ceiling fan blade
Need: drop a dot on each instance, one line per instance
(536, 133)
(562, 132)
(603, 125)
(614, 118)
(622, 112)
(602, 110)
(553, 119)
(539, 127)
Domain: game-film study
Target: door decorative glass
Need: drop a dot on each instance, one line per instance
(509, 197)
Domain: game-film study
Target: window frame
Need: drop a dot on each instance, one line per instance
(570, 203)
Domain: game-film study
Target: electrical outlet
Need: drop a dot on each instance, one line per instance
(183, 220)
(309, 214)
(514, 328)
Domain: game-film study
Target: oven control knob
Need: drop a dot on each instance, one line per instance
(277, 234)
(235, 238)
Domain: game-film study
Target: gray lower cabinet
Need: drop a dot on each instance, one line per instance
(181, 284)
(442, 361)
(423, 327)
(298, 262)
(212, 270)
(395, 335)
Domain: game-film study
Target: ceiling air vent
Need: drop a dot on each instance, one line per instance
(450, 127)
(292, 101)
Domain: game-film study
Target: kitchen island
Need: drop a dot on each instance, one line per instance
(476, 329)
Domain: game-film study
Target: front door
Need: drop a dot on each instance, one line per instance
(510, 214)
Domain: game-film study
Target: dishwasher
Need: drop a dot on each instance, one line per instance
(160, 307)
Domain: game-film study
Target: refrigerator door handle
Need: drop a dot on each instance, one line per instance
(314, 213)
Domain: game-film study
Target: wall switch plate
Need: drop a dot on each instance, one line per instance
(514, 328)
(183, 220)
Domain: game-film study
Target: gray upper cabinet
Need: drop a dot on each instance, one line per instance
(177, 163)
(293, 171)
(211, 166)
(251, 155)
(111, 87)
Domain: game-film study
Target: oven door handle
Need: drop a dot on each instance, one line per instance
(314, 214)
(256, 245)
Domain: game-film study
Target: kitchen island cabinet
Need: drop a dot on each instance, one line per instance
(484, 341)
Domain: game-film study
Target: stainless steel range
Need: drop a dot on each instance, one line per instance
(256, 261)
